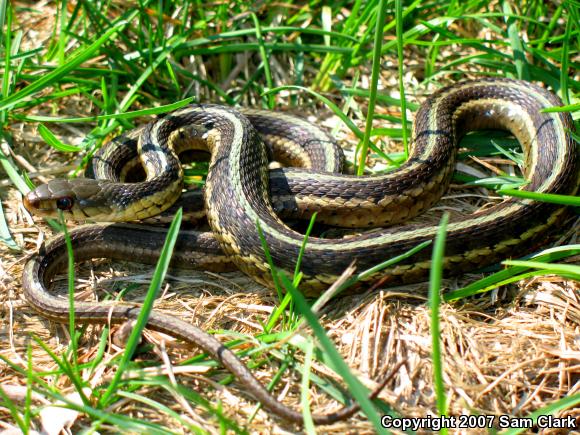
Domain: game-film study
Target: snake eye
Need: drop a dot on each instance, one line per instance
(64, 203)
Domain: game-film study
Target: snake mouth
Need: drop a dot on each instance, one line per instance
(35, 205)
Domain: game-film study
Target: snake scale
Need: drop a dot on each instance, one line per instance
(239, 187)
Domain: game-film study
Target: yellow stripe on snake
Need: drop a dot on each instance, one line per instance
(241, 194)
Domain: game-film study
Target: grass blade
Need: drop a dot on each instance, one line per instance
(5, 236)
(516, 43)
(400, 59)
(378, 43)
(147, 307)
(551, 409)
(71, 292)
(506, 276)
(13, 409)
(54, 76)
(54, 142)
(358, 390)
(434, 302)
(265, 61)
(543, 197)
(569, 270)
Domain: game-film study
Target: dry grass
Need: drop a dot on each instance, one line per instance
(509, 352)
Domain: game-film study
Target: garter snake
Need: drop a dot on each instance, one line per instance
(237, 200)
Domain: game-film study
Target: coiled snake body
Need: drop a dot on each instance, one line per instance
(237, 201)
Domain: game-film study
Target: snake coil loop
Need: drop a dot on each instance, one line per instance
(237, 199)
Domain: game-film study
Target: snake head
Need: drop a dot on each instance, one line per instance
(71, 197)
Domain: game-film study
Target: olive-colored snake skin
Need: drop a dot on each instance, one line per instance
(236, 200)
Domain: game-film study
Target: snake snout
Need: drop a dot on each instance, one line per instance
(48, 198)
(31, 201)
(36, 201)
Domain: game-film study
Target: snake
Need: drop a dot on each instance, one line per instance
(243, 202)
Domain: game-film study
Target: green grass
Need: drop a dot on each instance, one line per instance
(133, 63)
(435, 276)
(147, 306)
(513, 274)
